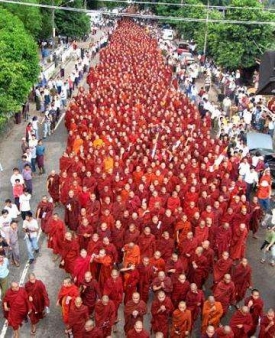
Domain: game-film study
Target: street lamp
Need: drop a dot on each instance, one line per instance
(53, 22)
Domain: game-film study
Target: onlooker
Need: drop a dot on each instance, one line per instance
(13, 243)
(40, 153)
(4, 275)
(30, 226)
(24, 201)
(12, 209)
(268, 247)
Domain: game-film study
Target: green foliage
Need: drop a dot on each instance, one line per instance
(30, 16)
(72, 24)
(19, 66)
(237, 45)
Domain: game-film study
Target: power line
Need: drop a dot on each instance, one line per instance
(191, 5)
(142, 16)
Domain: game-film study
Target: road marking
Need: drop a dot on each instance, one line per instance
(21, 282)
(58, 123)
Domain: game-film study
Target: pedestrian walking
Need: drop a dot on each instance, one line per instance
(13, 243)
(30, 226)
(40, 155)
(4, 275)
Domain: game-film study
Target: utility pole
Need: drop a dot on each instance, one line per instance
(53, 27)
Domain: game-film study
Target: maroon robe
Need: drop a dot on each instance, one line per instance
(245, 320)
(84, 234)
(38, 292)
(90, 292)
(56, 233)
(160, 319)
(256, 311)
(114, 289)
(77, 319)
(194, 302)
(69, 254)
(105, 316)
(129, 308)
(71, 216)
(179, 292)
(225, 293)
(147, 245)
(242, 279)
(53, 187)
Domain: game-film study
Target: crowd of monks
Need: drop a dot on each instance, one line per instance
(153, 216)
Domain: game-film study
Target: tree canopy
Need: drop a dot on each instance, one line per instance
(19, 64)
(73, 24)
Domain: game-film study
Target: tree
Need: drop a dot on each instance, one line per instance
(237, 45)
(73, 24)
(30, 16)
(19, 64)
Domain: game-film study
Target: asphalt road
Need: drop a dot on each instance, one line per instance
(49, 272)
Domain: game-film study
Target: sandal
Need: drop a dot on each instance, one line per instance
(33, 332)
(262, 261)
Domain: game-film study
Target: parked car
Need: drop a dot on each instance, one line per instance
(262, 144)
(187, 57)
(168, 34)
(183, 47)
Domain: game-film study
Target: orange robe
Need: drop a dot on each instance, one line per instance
(211, 315)
(181, 322)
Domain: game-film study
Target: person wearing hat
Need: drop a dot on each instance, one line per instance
(268, 246)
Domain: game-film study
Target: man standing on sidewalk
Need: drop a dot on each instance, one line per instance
(30, 226)
(4, 275)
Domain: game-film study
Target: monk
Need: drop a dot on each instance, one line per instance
(90, 330)
(180, 288)
(69, 253)
(174, 267)
(38, 298)
(222, 267)
(81, 266)
(72, 209)
(106, 264)
(131, 254)
(134, 311)
(224, 332)
(78, 315)
(16, 307)
(198, 268)
(53, 186)
(146, 276)
(225, 292)
(223, 239)
(105, 315)
(242, 278)
(157, 262)
(241, 322)
(138, 331)
(89, 291)
(147, 243)
(194, 301)
(165, 245)
(44, 212)
(238, 244)
(66, 296)
(255, 305)
(182, 228)
(212, 312)
(181, 322)
(162, 283)
(56, 234)
(162, 308)
(186, 249)
(84, 233)
(267, 325)
(131, 278)
(113, 288)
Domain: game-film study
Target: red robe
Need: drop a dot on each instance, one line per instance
(19, 306)
(53, 187)
(45, 213)
(147, 245)
(38, 292)
(90, 292)
(221, 334)
(69, 254)
(194, 302)
(77, 319)
(198, 275)
(84, 234)
(56, 233)
(242, 280)
(225, 293)
(67, 291)
(256, 311)
(146, 275)
(81, 266)
(179, 292)
(94, 333)
(160, 319)
(71, 216)
(265, 321)
(243, 319)
(166, 247)
(222, 240)
(221, 268)
(105, 316)
(131, 279)
(114, 289)
(105, 267)
(129, 308)
(238, 244)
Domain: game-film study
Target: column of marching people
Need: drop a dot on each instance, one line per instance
(155, 211)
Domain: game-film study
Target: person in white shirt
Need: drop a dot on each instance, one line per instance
(251, 179)
(244, 167)
(31, 228)
(12, 209)
(16, 176)
(5, 221)
(24, 201)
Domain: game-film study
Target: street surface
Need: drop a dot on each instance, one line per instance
(49, 272)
